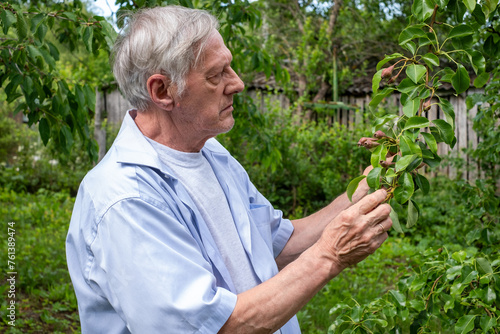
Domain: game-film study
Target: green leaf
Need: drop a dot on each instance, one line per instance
(70, 16)
(461, 31)
(490, 295)
(461, 80)
(430, 141)
(408, 146)
(422, 9)
(395, 221)
(8, 20)
(402, 163)
(410, 108)
(398, 297)
(453, 272)
(88, 34)
(407, 86)
(378, 155)
(483, 266)
(422, 183)
(373, 178)
(410, 46)
(387, 59)
(414, 164)
(459, 256)
(449, 302)
(66, 138)
(405, 189)
(415, 72)
(48, 58)
(478, 14)
(434, 162)
(416, 122)
(463, 43)
(477, 61)
(489, 7)
(448, 74)
(377, 77)
(481, 80)
(381, 121)
(353, 185)
(21, 26)
(431, 59)
(458, 8)
(41, 32)
(449, 113)
(34, 53)
(410, 33)
(377, 98)
(465, 324)
(470, 4)
(487, 323)
(413, 214)
(445, 130)
(44, 129)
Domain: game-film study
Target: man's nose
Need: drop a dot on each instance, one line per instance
(235, 84)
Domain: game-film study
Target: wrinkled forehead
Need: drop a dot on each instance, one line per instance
(214, 52)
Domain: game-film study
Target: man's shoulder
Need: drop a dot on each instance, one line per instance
(111, 181)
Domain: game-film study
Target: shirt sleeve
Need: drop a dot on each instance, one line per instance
(154, 273)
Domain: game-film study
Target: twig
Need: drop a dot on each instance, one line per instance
(432, 290)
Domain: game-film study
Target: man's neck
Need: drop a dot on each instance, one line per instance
(157, 125)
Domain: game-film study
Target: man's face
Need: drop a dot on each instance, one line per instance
(206, 107)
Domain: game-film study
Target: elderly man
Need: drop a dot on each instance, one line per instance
(168, 234)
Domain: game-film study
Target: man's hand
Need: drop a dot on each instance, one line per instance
(356, 232)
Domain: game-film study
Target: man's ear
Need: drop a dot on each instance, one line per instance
(160, 90)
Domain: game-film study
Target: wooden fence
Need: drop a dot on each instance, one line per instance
(112, 106)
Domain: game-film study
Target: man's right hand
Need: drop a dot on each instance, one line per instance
(356, 232)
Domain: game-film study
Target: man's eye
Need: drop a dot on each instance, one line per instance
(216, 78)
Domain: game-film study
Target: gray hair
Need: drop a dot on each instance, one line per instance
(163, 40)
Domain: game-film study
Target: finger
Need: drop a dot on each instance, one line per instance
(379, 214)
(369, 202)
(382, 227)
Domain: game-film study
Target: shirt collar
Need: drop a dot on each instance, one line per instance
(132, 147)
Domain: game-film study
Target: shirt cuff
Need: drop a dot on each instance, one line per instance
(227, 303)
(282, 236)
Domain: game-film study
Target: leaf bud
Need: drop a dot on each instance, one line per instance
(386, 164)
(427, 105)
(379, 134)
(387, 72)
(368, 142)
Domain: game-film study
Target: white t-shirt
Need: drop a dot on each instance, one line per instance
(196, 174)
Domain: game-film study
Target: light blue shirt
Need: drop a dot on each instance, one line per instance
(140, 255)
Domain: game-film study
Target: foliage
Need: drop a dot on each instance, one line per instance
(324, 42)
(30, 77)
(11, 137)
(453, 283)
(487, 126)
(45, 298)
(31, 165)
(427, 67)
